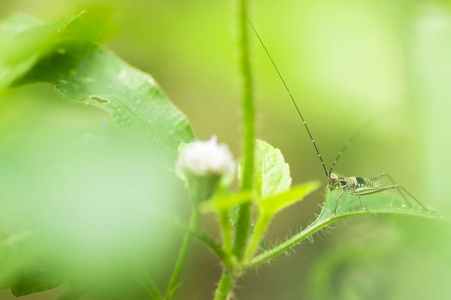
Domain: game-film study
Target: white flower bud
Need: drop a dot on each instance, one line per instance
(205, 158)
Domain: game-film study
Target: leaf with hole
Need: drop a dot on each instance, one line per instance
(59, 53)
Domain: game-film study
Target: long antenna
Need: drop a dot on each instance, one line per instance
(343, 149)
(348, 142)
(292, 99)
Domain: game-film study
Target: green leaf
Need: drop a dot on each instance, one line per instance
(271, 172)
(348, 206)
(382, 202)
(271, 177)
(85, 72)
(268, 207)
(24, 269)
(14, 24)
(35, 278)
(93, 75)
(13, 256)
(23, 41)
(275, 203)
(225, 203)
(64, 53)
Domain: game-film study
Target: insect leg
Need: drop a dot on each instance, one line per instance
(382, 175)
(400, 189)
(373, 190)
(336, 202)
(411, 196)
(394, 183)
(358, 195)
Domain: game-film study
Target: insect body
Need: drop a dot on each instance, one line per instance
(359, 186)
(356, 186)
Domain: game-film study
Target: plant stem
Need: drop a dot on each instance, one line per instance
(290, 243)
(183, 252)
(226, 285)
(229, 276)
(152, 289)
(259, 229)
(243, 222)
(226, 231)
(212, 245)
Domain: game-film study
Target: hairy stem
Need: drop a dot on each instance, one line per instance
(226, 285)
(243, 222)
(229, 276)
(288, 244)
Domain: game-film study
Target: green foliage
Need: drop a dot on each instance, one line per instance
(66, 54)
(227, 202)
(380, 203)
(22, 270)
(268, 207)
(63, 54)
(271, 194)
(271, 176)
(275, 203)
(24, 41)
(37, 277)
(271, 172)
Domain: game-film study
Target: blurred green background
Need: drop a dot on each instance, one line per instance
(346, 62)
